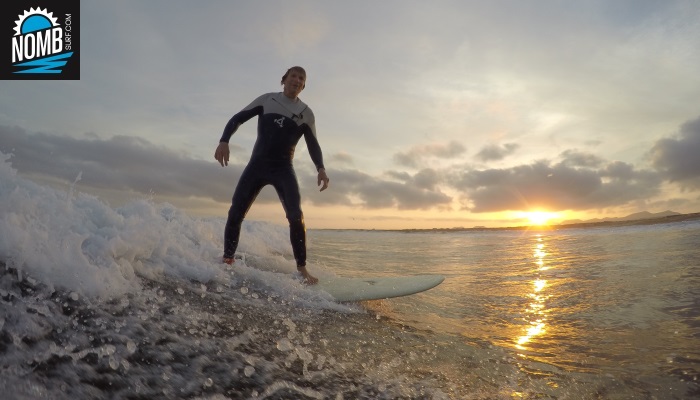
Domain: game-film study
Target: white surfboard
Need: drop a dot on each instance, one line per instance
(358, 289)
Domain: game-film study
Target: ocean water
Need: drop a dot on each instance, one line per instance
(131, 302)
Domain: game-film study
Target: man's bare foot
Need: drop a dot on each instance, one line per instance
(308, 278)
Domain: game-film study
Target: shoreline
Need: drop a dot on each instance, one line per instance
(578, 225)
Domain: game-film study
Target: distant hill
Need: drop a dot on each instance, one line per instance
(641, 218)
(632, 217)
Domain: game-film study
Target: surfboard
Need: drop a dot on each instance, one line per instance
(359, 289)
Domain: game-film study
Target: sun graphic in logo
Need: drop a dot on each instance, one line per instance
(34, 20)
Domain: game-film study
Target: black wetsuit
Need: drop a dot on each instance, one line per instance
(281, 123)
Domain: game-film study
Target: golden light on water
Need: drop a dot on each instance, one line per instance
(536, 314)
(534, 330)
(539, 284)
(536, 310)
(539, 256)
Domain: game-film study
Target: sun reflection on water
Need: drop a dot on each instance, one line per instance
(540, 254)
(536, 312)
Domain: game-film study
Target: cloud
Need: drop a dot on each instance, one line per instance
(678, 159)
(402, 191)
(122, 163)
(341, 158)
(131, 164)
(416, 155)
(576, 180)
(495, 152)
(583, 181)
(576, 158)
(426, 178)
(558, 186)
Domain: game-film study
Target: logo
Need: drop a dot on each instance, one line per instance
(44, 41)
(280, 122)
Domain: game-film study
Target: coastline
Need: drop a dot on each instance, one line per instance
(578, 225)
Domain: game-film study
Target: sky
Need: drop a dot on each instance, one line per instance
(430, 114)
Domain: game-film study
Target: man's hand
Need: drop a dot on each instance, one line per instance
(322, 177)
(222, 153)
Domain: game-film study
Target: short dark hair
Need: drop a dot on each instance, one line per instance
(297, 69)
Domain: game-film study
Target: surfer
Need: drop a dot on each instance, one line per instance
(282, 120)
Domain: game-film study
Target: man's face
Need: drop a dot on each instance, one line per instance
(294, 83)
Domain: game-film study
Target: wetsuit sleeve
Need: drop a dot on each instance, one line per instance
(312, 142)
(253, 109)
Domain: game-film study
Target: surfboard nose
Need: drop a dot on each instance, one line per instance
(359, 289)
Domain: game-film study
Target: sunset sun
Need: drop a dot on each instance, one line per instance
(539, 217)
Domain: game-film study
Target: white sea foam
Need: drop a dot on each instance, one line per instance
(134, 301)
(76, 242)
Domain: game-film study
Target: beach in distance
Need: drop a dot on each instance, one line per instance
(644, 218)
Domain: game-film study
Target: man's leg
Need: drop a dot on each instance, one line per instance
(297, 235)
(246, 191)
(287, 189)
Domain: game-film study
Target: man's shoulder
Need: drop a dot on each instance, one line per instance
(267, 96)
(260, 100)
(304, 106)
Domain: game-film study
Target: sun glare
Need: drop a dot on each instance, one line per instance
(539, 217)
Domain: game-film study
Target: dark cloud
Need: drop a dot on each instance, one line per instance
(576, 158)
(399, 175)
(402, 190)
(555, 187)
(577, 181)
(132, 164)
(426, 178)
(121, 163)
(678, 159)
(583, 181)
(416, 156)
(342, 158)
(495, 152)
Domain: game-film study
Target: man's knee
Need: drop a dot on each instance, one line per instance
(295, 218)
(235, 214)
